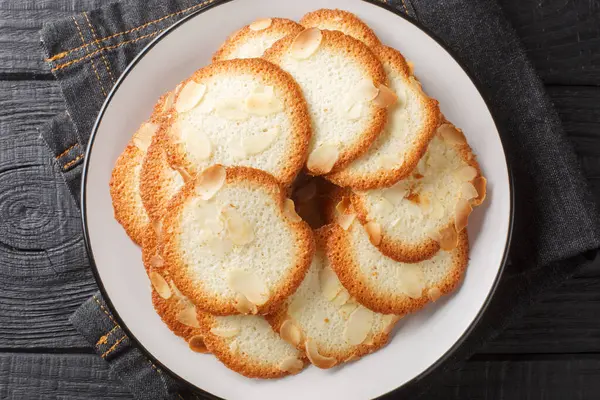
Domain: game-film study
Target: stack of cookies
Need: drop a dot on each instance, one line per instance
(297, 197)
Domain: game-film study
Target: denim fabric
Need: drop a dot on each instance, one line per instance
(556, 223)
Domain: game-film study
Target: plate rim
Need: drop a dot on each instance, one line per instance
(86, 165)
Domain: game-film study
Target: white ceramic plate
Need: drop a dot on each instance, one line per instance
(422, 339)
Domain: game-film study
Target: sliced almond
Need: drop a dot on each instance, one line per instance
(374, 231)
(306, 43)
(355, 112)
(319, 361)
(480, 184)
(190, 95)
(389, 321)
(157, 262)
(365, 91)
(437, 209)
(237, 151)
(197, 143)
(448, 238)
(344, 216)
(370, 339)
(234, 347)
(291, 333)
(258, 143)
(329, 283)
(185, 175)
(396, 193)
(249, 285)
(322, 159)
(421, 168)
(461, 216)
(210, 181)
(468, 191)
(239, 230)
(425, 204)
(169, 100)
(451, 135)
(434, 235)
(358, 326)
(347, 309)
(196, 343)
(263, 104)
(225, 332)
(232, 109)
(177, 293)
(413, 281)
(296, 306)
(143, 137)
(346, 220)
(344, 206)
(342, 298)
(245, 306)
(383, 207)
(466, 173)
(187, 316)
(289, 211)
(260, 24)
(385, 98)
(219, 246)
(160, 285)
(291, 365)
(434, 294)
(157, 226)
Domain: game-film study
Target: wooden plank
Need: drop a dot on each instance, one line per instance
(20, 22)
(43, 268)
(560, 36)
(563, 321)
(559, 379)
(44, 273)
(51, 376)
(57, 376)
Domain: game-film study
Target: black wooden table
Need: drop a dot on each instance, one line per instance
(552, 352)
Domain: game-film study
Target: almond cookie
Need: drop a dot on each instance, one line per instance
(322, 318)
(252, 40)
(125, 180)
(245, 112)
(234, 244)
(413, 118)
(388, 286)
(418, 216)
(340, 78)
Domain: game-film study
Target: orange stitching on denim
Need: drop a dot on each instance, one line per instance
(70, 163)
(65, 65)
(113, 347)
(64, 153)
(112, 78)
(104, 310)
(405, 8)
(156, 21)
(92, 61)
(104, 339)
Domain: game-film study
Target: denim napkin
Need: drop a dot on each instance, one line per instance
(556, 225)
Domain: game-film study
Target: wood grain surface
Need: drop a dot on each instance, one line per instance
(552, 352)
